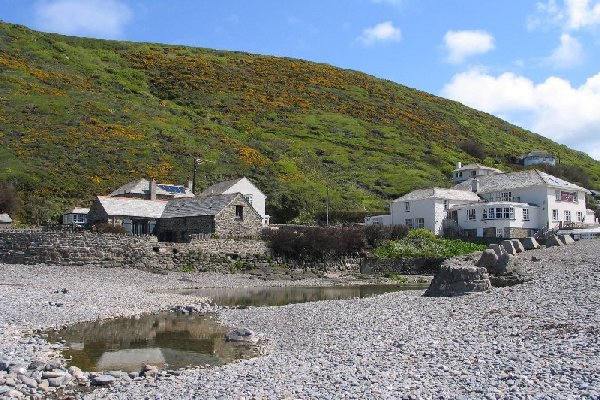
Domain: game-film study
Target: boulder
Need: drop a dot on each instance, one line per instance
(554, 241)
(103, 380)
(458, 280)
(498, 249)
(507, 272)
(529, 243)
(509, 247)
(488, 259)
(241, 335)
(518, 246)
(566, 239)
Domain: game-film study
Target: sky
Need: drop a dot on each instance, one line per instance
(533, 63)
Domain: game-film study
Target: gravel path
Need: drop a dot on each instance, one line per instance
(536, 340)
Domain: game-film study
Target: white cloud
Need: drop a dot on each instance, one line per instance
(568, 54)
(463, 44)
(97, 18)
(553, 108)
(385, 31)
(569, 14)
(395, 3)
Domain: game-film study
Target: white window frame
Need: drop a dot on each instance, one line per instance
(526, 214)
(555, 215)
(248, 198)
(409, 223)
(419, 223)
(579, 216)
(446, 204)
(499, 232)
(407, 206)
(568, 215)
(472, 214)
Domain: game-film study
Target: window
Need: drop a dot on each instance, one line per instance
(499, 213)
(579, 216)
(79, 218)
(570, 197)
(557, 195)
(554, 215)
(419, 222)
(526, 214)
(248, 198)
(473, 173)
(568, 215)
(409, 223)
(505, 196)
(406, 206)
(446, 204)
(239, 212)
(499, 232)
(471, 215)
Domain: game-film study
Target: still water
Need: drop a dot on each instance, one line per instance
(166, 340)
(280, 296)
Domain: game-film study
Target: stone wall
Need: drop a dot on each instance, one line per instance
(227, 225)
(401, 266)
(142, 252)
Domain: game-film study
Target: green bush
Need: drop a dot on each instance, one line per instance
(420, 234)
(419, 247)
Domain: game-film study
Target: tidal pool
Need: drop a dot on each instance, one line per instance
(280, 296)
(168, 340)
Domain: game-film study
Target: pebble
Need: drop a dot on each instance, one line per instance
(535, 340)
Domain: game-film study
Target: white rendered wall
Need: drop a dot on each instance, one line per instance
(245, 187)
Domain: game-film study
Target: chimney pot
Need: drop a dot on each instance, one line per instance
(152, 189)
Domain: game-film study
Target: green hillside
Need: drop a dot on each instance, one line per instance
(80, 117)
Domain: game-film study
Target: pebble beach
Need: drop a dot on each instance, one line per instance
(537, 340)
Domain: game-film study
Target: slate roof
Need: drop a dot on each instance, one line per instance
(5, 219)
(537, 153)
(476, 166)
(207, 205)
(440, 193)
(78, 211)
(219, 188)
(142, 187)
(132, 207)
(516, 180)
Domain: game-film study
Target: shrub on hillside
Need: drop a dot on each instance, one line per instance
(472, 148)
(9, 199)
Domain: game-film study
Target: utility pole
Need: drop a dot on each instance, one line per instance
(197, 162)
(327, 207)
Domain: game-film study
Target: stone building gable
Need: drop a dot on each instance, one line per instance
(227, 224)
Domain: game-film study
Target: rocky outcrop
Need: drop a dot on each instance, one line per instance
(488, 259)
(456, 280)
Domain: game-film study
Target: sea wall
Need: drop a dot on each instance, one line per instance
(409, 266)
(142, 252)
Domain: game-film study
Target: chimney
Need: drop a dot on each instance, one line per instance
(475, 185)
(152, 189)
(458, 165)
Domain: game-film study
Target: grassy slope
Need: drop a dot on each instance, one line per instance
(81, 116)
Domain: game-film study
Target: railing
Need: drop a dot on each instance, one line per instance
(514, 199)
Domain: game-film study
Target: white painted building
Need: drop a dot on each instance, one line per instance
(462, 173)
(514, 204)
(426, 208)
(537, 157)
(251, 193)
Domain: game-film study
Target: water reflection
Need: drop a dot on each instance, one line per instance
(167, 338)
(279, 296)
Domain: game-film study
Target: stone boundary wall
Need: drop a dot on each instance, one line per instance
(142, 252)
(416, 266)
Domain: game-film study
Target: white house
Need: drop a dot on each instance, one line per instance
(76, 216)
(537, 157)
(462, 173)
(424, 208)
(519, 203)
(5, 219)
(515, 204)
(149, 189)
(253, 195)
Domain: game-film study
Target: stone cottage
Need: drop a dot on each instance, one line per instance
(226, 215)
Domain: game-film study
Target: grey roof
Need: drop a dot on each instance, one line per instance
(220, 187)
(142, 187)
(132, 207)
(78, 211)
(476, 166)
(207, 205)
(440, 193)
(516, 180)
(5, 219)
(537, 153)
